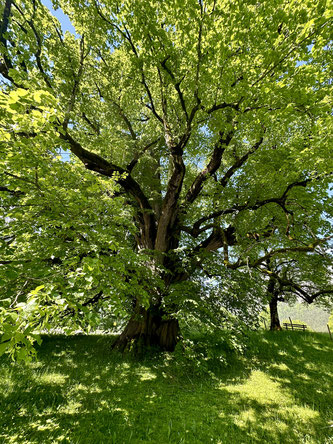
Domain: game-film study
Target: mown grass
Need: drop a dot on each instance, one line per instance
(80, 392)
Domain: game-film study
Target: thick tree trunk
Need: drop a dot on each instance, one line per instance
(146, 329)
(275, 321)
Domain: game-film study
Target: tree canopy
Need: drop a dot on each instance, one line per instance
(198, 135)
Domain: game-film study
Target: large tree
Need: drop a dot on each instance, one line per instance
(208, 122)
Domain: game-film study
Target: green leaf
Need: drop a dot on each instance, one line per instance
(3, 347)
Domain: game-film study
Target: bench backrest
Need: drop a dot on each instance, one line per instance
(294, 326)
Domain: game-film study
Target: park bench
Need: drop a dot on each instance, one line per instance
(291, 326)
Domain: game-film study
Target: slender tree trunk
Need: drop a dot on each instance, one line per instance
(273, 309)
(273, 294)
(148, 328)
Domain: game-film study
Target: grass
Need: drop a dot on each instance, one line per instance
(78, 392)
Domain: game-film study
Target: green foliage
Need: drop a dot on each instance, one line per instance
(214, 318)
(209, 341)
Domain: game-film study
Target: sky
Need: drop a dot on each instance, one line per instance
(65, 23)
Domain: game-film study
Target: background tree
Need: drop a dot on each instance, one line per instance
(305, 277)
(211, 118)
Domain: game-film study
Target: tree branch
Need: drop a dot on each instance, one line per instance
(237, 208)
(296, 288)
(93, 125)
(217, 239)
(240, 162)
(170, 203)
(177, 87)
(306, 249)
(223, 105)
(126, 120)
(211, 168)
(12, 192)
(7, 65)
(96, 163)
(91, 301)
(137, 156)
(77, 78)
(39, 46)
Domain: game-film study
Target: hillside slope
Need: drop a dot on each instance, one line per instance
(80, 392)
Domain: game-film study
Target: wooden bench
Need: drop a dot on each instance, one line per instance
(292, 326)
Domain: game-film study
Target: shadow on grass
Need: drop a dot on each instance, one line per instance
(80, 392)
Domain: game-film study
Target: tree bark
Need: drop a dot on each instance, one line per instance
(275, 321)
(147, 328)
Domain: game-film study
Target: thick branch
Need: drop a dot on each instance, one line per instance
(302, 249)
(96, 163)
(223, 105)
(218, 238)
(170, 203)
(12, 192)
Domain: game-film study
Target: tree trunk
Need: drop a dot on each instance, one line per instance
(275, 321)
(146, 329)
(152, 328)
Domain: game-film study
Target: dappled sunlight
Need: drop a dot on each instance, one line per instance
(305, 376)
(260, 387)
(247, 416)
(103, 405)
(310, 366)
(123, 412)
(7, 383)
(145, 374)
(47, 425)
(280, 366)
(51, 378)
(272, 397)
(265, 408)
(282, 353)
(151, 397)
(91, 388)
(13, 439)
(35, 365)
(71, 408)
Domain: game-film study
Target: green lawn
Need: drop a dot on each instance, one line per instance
(80, 392)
